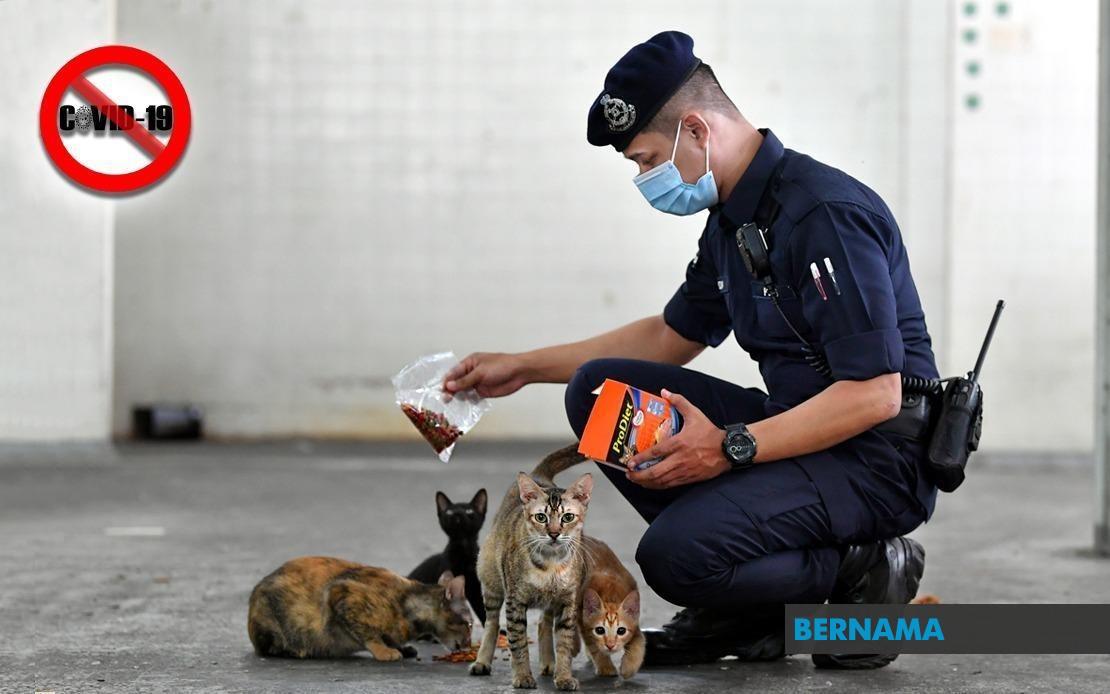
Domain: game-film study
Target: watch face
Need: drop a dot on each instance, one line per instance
(739, 446)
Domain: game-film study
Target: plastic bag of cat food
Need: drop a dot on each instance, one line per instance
(440, 417)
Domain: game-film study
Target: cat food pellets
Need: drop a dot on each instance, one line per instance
(433, 426)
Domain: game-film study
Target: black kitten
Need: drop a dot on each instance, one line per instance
(461, 522)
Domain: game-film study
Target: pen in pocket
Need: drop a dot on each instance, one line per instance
(817, 280)
(832, 276)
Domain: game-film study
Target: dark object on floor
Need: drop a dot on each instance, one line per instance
(461, 522)
(702, 635)
(884, 572)
(167, 422)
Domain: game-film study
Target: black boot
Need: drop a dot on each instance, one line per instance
(702, 635)
(884, 572)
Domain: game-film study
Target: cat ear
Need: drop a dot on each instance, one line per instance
(529, 490)
(479, 502)
(631, 604)
(442, 502)
(591, 602)
(582, 488)
(445, 578)
(456, 588)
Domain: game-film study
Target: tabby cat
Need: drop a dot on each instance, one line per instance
(461, 522)
(320, 607)
(610, 616)
(532, 557)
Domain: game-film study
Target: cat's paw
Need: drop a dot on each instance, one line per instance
(387, 654)
(605, 669)
(479, 669)
(566, 684)
(633, 658)
(525, 681)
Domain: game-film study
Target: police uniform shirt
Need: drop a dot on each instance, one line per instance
(870, 323)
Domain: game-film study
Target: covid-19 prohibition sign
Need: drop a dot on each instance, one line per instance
(72, 75)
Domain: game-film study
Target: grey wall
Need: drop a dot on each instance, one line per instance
(367, 183)
(55, 241)
(371, 181)
(1022, 217)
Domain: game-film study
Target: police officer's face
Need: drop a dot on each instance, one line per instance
(650, 149)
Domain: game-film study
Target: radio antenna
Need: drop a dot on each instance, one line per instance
(987, 340)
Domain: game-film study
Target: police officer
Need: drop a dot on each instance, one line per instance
(799, 494)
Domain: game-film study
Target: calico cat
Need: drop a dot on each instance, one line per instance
(610, 615)
(320, 607)
(461, 522)
(532, 558)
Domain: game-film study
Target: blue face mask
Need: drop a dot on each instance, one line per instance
(667, 192)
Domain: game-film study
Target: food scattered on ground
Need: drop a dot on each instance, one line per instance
(466, 655)
(469, 655)
(433, 426)
(503, 641)
(927, 599)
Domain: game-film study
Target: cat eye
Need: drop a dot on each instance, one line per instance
(568, 517)
(540, 517)
(600, 631)
(621, 631)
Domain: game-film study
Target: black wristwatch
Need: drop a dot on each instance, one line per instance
(739, 447)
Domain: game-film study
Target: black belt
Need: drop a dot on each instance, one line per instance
(912, 421)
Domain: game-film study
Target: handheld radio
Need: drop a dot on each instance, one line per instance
(960, 422)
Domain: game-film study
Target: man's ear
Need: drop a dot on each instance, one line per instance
(442, 502)
(478, 503)
(695, 124)
(529, 490)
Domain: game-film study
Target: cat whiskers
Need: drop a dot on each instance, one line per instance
(579, 550)
(537, 545)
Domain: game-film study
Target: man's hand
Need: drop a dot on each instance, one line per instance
(692, 455)
(491, 374)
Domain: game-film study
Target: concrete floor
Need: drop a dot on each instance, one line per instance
(86, 605)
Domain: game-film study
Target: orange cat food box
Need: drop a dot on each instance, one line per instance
(625, 421)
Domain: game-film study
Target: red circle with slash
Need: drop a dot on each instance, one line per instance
(164, 155)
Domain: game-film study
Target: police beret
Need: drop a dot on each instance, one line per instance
(638, 86)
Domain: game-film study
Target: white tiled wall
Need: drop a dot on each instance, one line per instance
(368, 182)
(55, 241)
(371, 181)
(1022, 221)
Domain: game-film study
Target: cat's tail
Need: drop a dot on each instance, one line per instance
(556, 462)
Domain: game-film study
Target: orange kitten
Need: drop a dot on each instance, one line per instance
(609, 620)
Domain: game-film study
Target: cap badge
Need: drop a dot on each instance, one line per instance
(618, 114)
